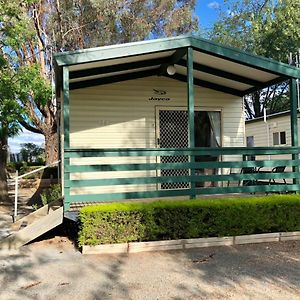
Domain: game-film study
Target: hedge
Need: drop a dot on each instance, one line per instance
(168, 219)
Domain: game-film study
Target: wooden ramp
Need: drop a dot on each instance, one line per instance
(34, 225)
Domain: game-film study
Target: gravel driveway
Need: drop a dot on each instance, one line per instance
(53, 269)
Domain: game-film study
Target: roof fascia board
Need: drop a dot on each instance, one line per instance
(122, 50)
(245, 58)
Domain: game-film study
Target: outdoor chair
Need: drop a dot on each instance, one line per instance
(245, 170)
(248, 170)
(279, 169)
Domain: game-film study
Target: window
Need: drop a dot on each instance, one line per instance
(279, 138)
(250, 141)
(282, 138)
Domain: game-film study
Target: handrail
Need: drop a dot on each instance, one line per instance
(16, 178)
(37, 170)
(78, 153)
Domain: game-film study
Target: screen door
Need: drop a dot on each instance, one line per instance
(173, 133)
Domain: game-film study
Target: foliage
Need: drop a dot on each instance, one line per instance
(31, 152)
(9, 111)
(267, 28)
(164, 220)
(31, 31)
(51, 194)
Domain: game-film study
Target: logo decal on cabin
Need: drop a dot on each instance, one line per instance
(159, 93)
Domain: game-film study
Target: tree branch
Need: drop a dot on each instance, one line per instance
(29, 127)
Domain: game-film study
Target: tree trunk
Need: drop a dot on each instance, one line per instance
(3, 162)
(51, 147)
(256, 97)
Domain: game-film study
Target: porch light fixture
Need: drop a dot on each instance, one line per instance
(171, 70)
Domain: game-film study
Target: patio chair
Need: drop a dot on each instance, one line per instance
(248, 170)
(279, 169)
(245, 170)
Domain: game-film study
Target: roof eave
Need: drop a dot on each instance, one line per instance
(121, 50)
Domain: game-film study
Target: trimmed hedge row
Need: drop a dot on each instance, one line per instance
(167, 219)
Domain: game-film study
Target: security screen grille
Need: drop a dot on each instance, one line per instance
(173, 126)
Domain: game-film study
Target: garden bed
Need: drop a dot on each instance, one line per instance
(135, 247)
(123, 223)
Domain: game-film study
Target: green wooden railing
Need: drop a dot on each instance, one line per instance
(223, 179)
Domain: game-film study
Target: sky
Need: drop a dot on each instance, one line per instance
(206, 10)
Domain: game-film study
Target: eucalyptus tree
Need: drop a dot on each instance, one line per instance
(43, 27)
(264, 27)
(9, 126)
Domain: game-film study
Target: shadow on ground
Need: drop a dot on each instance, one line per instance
(53, 269)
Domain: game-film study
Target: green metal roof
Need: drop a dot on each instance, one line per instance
(216, 66)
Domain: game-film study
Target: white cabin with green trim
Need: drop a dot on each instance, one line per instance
(163, 118)
(274, 130)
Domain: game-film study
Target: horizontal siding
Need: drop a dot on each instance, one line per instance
(99, 114)
(259, 130)
(120, 115)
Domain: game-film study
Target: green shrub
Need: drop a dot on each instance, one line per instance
(51, 194)
(24, 168)
(11, 167)
(164, 220)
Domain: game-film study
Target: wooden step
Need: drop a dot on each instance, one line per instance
(43, 211)
(40, 226)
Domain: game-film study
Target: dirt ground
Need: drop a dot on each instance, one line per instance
(55, 269)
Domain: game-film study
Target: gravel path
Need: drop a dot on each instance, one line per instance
(53, 269)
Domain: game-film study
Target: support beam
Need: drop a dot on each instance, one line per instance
(66, 104)
(209, 85)
(265, 85)
(112, 79)
(118, 67)
(223, 74)
(174, 59)
(293, 107)
(66, 110)
(294, 121)
(191, 109)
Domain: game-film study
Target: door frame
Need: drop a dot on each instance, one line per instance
(183, 108)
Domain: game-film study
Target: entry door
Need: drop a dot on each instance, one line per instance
(173, 133)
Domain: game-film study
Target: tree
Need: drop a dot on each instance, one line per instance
(267, 28)
(31, 152)
(9, 111)
(51, 26)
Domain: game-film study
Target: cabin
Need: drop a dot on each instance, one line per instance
(271, 130)
(165, 118)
